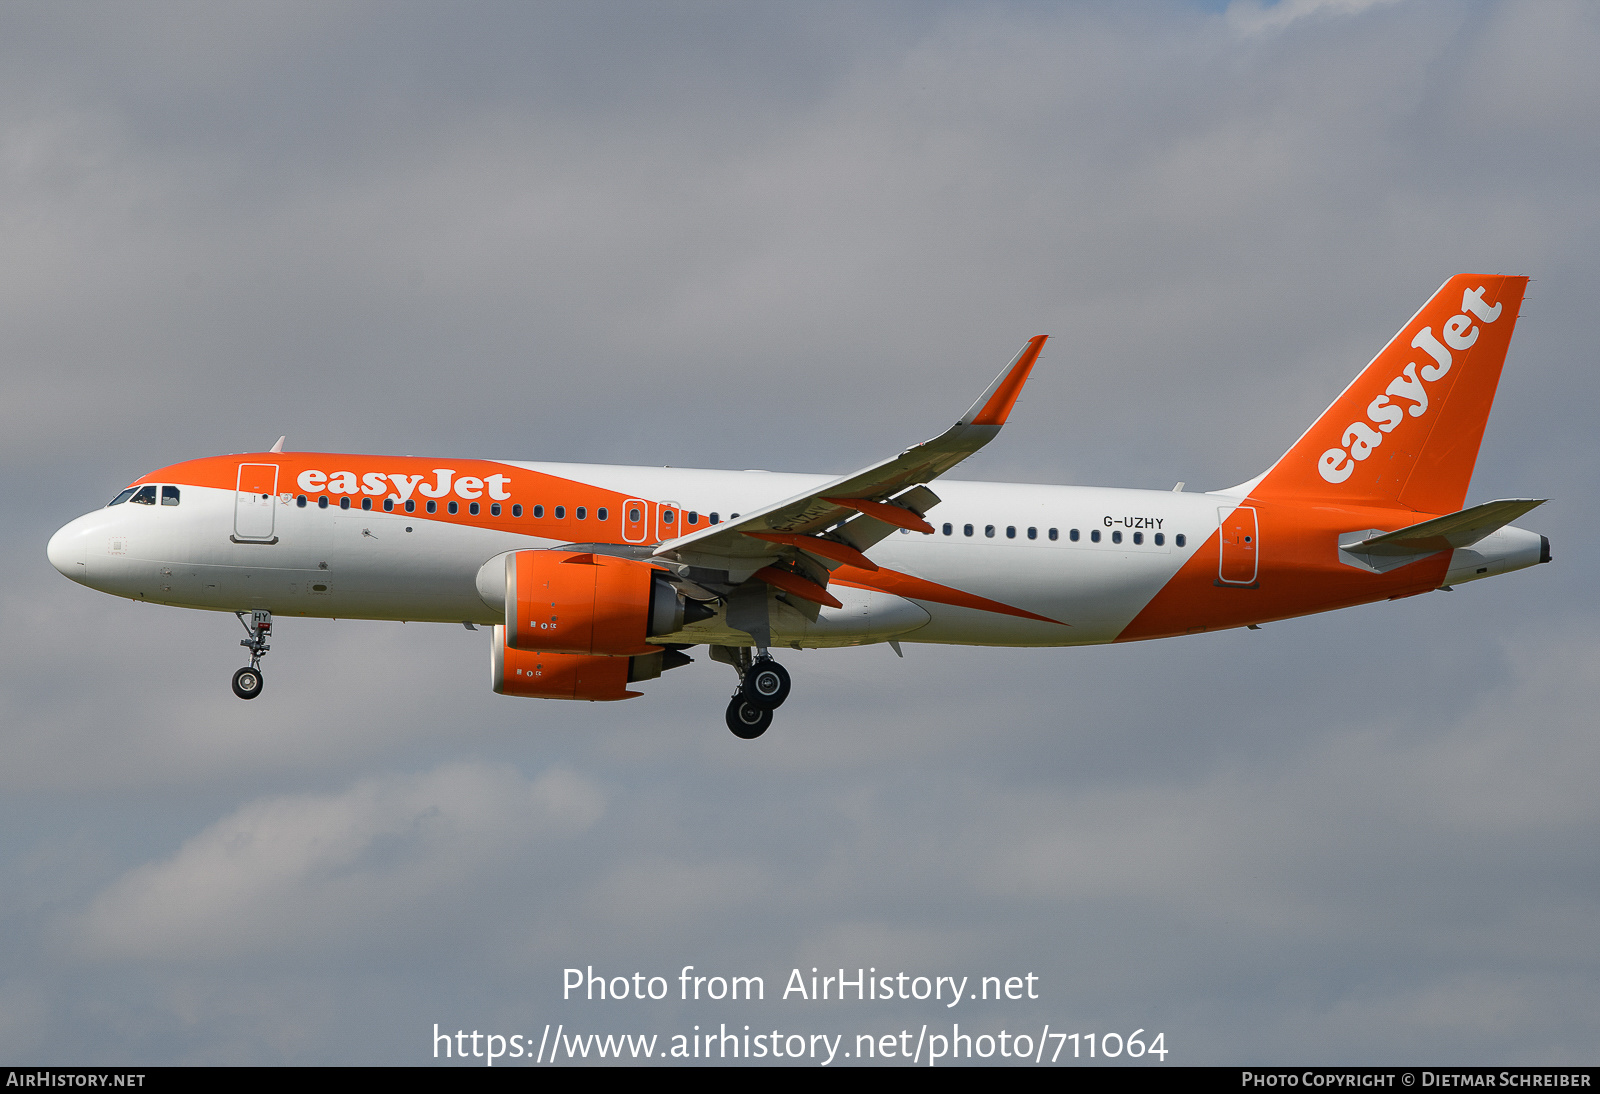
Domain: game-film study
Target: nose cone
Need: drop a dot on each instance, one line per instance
(68, 550)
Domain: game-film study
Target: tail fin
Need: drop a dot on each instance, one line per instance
(1406, 432)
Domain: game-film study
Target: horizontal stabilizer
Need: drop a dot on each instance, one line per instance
(1380, 551)
(1461, 529)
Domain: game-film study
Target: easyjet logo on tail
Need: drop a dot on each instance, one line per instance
(1359, 439)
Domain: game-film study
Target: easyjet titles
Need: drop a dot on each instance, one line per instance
(376, 484)
(1359, 439)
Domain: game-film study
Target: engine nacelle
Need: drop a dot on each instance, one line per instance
(540, 674)
(592, 604)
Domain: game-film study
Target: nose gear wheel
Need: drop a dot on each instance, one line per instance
(247, 683)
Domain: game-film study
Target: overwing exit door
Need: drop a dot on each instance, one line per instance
(668, 518)
(635, 520)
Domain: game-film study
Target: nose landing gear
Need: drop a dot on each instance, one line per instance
(763, 686)
(247, 681)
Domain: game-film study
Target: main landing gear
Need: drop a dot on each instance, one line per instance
(763, 686)
(247, 681)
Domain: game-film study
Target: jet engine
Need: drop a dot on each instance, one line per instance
(582, 603)
(540, 674)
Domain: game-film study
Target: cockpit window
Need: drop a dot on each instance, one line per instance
(145, 496)
(122, 497)
(169, 495)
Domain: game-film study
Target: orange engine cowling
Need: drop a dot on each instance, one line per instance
(540, 674)
(579, 603)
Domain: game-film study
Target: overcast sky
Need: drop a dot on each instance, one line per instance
(796, 237)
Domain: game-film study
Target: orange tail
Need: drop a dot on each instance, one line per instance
(1406, 431)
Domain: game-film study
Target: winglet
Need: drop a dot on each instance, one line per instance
(994, 405)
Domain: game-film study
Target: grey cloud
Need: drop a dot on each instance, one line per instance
(298, 875)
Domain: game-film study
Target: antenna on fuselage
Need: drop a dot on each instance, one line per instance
(279, 446)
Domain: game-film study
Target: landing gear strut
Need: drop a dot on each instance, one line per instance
(763, 686)
(247, 681)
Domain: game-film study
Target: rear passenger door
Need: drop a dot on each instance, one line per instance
(1240, 547)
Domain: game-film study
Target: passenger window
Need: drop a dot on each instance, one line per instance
(322, 502)
(454, 508)
(1178, 539)
(988, 530)
(1160, 539)
(145, 496)
(1072, 535)
(169, 495)
(694, 518)
(516, 510)
(666, 516)
(344, 503)
(122, 497)
(388, 505)
(633, 515)
(583, 512)
(1054, 534)
(433, 507)
(300, 501)
(1094, 535)
(714, 518)
(538, 511)
(472, 508)
(411, 505)
(966, 529)
(1116, 537)
(366, 505)
(1011, 531)
(949, 528)
(1033, 533)
(1138, 538)
(494, 509)
(561, 512)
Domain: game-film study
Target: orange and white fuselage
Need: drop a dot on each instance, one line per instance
(1367, 506)
(996, 585)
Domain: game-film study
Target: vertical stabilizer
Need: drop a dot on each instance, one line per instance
(1406, 431)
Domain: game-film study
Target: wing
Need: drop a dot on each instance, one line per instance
(835, 523)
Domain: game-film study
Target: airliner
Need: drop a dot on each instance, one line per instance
(596, 578)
